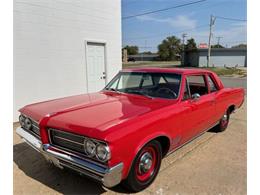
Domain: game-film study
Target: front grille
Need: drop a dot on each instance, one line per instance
(67, 140)
(35, 128)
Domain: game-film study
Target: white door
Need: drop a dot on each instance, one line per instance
(96, 75)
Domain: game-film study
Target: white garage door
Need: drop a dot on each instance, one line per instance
(96, 75)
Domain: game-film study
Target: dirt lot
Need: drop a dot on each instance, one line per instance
(212, 164)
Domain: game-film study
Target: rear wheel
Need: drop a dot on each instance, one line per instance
(223, 122)
(145, 167)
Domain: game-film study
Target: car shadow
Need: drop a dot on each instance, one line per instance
(65, 181)
(213, 129)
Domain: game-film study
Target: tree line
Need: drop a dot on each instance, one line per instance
(171, 48)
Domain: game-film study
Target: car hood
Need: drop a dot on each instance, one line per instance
(93, 112)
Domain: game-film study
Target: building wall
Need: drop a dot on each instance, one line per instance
(223, 61)
(49, 46)
(219, 57)
(224, 57)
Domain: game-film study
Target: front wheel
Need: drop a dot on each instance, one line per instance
(145, 167)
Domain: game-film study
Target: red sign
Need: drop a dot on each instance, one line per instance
(203, 45)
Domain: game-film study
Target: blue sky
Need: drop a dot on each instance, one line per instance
(149, 30)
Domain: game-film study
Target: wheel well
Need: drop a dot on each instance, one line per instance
(165, 143)
(231, 108)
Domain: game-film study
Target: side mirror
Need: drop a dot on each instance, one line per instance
(195, 96)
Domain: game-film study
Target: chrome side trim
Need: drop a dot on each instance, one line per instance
(109, 176)
(175, 149)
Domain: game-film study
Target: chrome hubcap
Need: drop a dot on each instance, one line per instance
(146, 162)
(224, 118)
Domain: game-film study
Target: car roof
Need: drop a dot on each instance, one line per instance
(168, 70)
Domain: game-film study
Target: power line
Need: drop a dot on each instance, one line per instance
(231, 19)
(218, 38)
(160, 10)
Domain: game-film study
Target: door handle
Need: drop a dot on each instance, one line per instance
(103, 77)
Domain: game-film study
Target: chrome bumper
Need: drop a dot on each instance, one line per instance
(108, 176)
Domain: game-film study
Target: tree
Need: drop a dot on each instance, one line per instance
(242, 45)
(169, 47)
(131, 50)
(191, 44)
(217, 46)
(147, 52)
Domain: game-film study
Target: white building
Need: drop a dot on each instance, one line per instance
(64, 47)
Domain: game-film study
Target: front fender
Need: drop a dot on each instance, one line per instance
(140, 145)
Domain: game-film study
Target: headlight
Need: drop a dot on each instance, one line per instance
(103, 152)
(28, 124)
(22, 120)
(90, 147)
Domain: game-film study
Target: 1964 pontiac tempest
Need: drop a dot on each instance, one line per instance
(121, 134)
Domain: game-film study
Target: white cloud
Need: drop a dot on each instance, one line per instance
(180, 21)
(235, 33)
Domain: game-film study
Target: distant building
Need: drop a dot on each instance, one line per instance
(220, 57)
(144, 57)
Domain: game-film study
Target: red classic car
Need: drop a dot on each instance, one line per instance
(121, 134)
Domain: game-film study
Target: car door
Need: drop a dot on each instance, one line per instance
(199, 106)
(214, 91)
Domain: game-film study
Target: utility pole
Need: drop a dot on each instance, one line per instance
(183, 48)
(145, 42)
(212, 21)
(219, 40)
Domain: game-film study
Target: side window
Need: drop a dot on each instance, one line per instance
(212, 85)
(197, 84)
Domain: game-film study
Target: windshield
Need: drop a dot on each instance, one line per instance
(162, 85)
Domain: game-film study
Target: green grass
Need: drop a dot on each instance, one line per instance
(221, 71)
(152, 64)
(228, 71)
